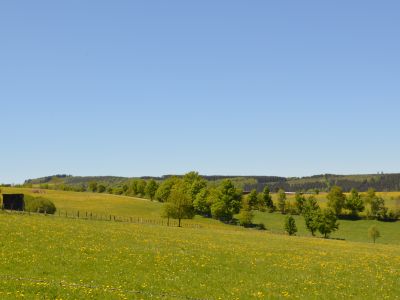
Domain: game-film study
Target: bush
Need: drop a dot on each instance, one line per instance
(261, 226)
(39, 204)
(246, 217)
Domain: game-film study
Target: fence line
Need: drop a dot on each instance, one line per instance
(97, 287)
(85, 215)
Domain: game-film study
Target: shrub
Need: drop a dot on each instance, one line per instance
(39, 204)
(246, 217)
(261, 226)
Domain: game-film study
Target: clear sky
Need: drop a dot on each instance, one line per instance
(136, 88)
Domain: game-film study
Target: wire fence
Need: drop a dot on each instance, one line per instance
(86, 215)
(107, 288)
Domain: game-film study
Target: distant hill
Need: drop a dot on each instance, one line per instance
(380, 182)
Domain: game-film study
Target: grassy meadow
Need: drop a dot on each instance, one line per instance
(58, 258)
(51, 257)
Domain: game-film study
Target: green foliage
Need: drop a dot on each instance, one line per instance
(336, 199)
(282, 201)
(267, 198)
(226, 201)
(201, 204)
(252, 199)
(354, 203)
(194, 184)
(44, 186)
(141, 188)
(378, 208)
(370, 196)
(39, 204)
(374, 233)
(246, 214)
(246, 217)
(164, 189)
(179, 204)
(327, 222)
(299, 202)
(290, 225)
(133, 189)
(101, 188)
(151, 189)
(92, 186)
(311, 213)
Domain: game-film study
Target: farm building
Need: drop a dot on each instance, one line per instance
(13, 201)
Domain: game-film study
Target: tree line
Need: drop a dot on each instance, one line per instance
(191, 194)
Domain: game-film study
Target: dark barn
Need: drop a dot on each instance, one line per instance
(13, 201)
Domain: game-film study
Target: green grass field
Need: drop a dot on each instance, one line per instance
(109, 260)
(356, 231)
(51, 257)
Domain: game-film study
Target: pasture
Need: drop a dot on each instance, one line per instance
(81, 259)
(52, 257)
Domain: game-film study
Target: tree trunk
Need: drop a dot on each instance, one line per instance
(179, 222)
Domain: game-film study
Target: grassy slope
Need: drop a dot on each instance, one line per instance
(356, 231)
(203, 263)
(127, 206)
(97, 203)
(218, 261)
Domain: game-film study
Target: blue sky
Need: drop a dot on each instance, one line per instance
(136, 88)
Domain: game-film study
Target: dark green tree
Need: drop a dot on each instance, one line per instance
(290, 225)
(328, 222)
(311, 213)
(227, 201)
(266, 196)
(101, 188)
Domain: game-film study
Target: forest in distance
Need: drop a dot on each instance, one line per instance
(323, 183)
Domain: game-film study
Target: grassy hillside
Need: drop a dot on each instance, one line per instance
(356, 231)
(105, 204)
(96, 203)
(79, 259)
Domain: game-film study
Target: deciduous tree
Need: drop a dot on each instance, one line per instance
(336, 199)
(151, 189)
(179, 204)
(266, 196)
(290, 225)
(328, 222)
(354, 203)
